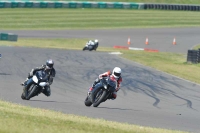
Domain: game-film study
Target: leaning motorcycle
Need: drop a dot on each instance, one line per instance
(90, 47)
(101, 92)
(35, 85)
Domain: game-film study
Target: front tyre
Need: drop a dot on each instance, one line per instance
(25, 91)
(88, 102)
(101, 99)
(22, 96)
(84, 48)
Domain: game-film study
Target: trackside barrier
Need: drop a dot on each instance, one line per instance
(193, 56)
(172, 7)
(113, 5)
(8, 37)
(70, 4)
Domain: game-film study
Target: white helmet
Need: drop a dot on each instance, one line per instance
(116, 72)
(96, 40)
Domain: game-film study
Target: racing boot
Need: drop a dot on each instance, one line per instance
(112, 96)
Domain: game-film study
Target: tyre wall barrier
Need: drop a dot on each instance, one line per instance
(8, 37)
(172, 7)
(193, 56)
(115, 5)
(70, 4)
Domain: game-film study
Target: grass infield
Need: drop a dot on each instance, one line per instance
(51, 19)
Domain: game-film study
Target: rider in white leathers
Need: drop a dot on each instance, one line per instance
(93, 42)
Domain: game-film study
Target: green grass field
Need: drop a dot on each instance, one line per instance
(51, 19)
(16, 118)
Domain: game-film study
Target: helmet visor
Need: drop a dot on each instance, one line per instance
(49, 67)
(117, 74)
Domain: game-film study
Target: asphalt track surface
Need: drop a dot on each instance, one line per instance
(147, 97)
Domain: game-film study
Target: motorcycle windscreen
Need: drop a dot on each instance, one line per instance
(112, 84)
(42, 76)
(98, 85)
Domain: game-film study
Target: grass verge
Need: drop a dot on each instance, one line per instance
(15, 118)
(48, 19)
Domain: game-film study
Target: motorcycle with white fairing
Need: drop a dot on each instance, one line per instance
(91, 46)
(35, 85)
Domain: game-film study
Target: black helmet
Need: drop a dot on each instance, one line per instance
(49, 63)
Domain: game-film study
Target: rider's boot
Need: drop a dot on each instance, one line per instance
(111, 97)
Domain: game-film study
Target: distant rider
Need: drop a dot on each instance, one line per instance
(116, 73)
(93, 42)
(49, 69)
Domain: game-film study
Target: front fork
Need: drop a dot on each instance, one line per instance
(27, 86)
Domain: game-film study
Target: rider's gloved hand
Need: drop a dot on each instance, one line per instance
(100, 77)
(43, 66)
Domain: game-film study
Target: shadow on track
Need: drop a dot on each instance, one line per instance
(118, 108)
(4, 74)
(47, 101)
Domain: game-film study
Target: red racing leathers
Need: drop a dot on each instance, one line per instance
(119, 80)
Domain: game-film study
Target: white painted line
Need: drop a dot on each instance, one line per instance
(115, 53)
(135, 48)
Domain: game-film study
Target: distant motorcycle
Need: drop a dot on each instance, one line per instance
(90, 47)
(101, 92)
(35, 85)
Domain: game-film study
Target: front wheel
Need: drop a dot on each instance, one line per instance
(101, 99)
(88, 102)
(84, 48)
(26, 91)
(22, 96)
(32, 91)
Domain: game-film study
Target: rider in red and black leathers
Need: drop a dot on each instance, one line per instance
(116, 73)
(49, 69)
